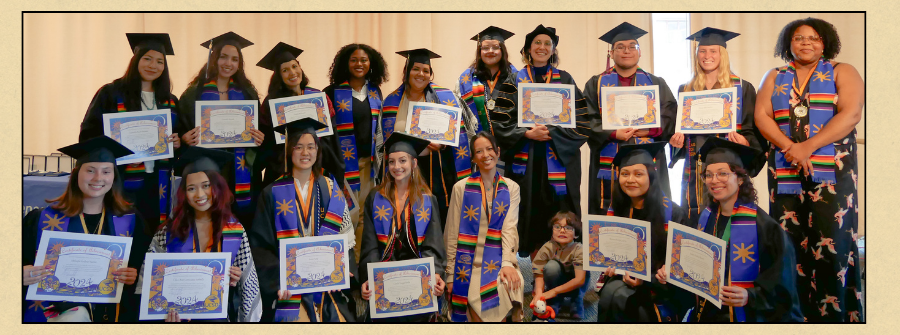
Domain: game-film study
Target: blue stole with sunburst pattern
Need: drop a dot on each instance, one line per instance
(343, 96)
(384, 214)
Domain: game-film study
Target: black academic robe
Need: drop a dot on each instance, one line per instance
(270, 156)
(621, 303)
(773, 297)
(504, 116)
(539, 199)
(128, 307)
(362, 122)
(264, 247)
(598, 202)
(432, 246)
(105, 102)
(691, 198)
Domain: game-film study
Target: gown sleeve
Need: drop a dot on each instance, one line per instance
(771, 297)
(451, 228)
(748, 122)
(433, 245)
(567, 142)
(599, 137)
(368, 252)
(103, 102)
(264, 248)
(505, 117)
(668, 109)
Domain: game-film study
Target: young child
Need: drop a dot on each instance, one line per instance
(558, 276)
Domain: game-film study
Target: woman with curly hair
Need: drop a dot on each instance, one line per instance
(814, 132)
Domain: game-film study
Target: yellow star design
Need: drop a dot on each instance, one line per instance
(242, 163)
(523, 80)
(38, 305)
(500, 208)
(641, 85)
(607, 85)
(823, 77)
(462, 274)
(743, 253)
(738, 101)
(422, 214)
(162, 191)
(461, 152)
(643, 140)
(449, 102)
(160, 269)
(465, 79)
(781, 89)
(395, 93)
(348, 153)
(553, 154)
(373, 95)
(344, 105)
(285, 207)
(53, 223)
(490, 266)
(816, 129)
(470, 212)
(382, 213)
(126, 234)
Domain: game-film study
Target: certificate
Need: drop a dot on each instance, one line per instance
(434, 122)
(145, 133)
(707, 112)
(289, 109)
(622, 243)
(226, 124)
(546, 104)
(80, 267)
(402, 288)
(195, 285)
(314, 264)
(695, 262)
(630, 107)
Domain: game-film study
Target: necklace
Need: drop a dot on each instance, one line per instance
(145, 104)
(99, 226)
(491, 83)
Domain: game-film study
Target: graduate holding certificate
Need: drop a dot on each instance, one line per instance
(637, 195)
(202, 222)
(92, 204)
(301, 203)
(401, 221)
(760, 274)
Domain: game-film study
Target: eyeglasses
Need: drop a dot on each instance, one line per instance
(722, 176)
(567, 229)
(309, 148)
(811, 39)
(622, 48)
(488, 48)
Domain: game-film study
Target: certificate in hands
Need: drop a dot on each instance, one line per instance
(707, 112)
(402, 288)
(195, 285)
(80, 267)
(227, 123)
(695, 261)
(546, 104)
(618, 242)
(294, 108)
(146, 133)
(314, 264)
(434, 122)
(630, 107)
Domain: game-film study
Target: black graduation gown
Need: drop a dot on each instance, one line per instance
(270, 156)
(362, 122)
(621, 303)
(104, 102)
(539, 199)
(264, 247)
(600, 138)
(504, 116)
(128, 307)
(432, 246)
(689, 194)
(773, 297)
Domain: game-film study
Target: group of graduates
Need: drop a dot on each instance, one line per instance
(504, 191)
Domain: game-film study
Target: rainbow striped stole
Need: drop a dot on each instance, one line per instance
(822, 95)
(743, 247)
(383, 216)
(556, 171)
(343, 96)
(466, 252)
(471, 91)
(610, 78)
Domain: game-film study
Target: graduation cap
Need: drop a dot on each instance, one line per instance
(280, 54)
(402, 142)
(422, 55)
(712, 36)
(98, 149)
(229, 38)
(633, 154)
(305, 125)
(717, 150)
(623, 32)
(540, 29)
(493, 33)
(197, 159)
(157, 42)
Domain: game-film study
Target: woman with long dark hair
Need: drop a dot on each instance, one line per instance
(222, 77)
(813, 164)
(145, 86)
(92, 203)
(488, 85)
(637, 195)
(202, 222)
(302, 203)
